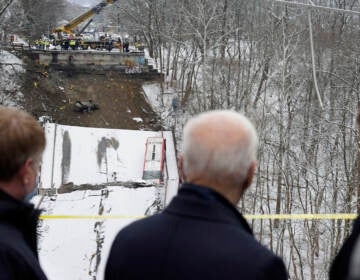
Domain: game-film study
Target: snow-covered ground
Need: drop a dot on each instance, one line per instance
(105, 167)
(10, 67)
(78, 248)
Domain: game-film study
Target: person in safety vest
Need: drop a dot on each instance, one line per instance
(46, 44)
(72, 44)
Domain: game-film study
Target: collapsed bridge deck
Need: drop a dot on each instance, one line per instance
(133, 62)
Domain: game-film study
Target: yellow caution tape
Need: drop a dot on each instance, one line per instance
(338, 216)
(335, 216)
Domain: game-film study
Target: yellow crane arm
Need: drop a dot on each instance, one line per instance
(75, 22)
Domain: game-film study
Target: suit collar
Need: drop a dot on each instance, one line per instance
(203, 203)
(10, 204)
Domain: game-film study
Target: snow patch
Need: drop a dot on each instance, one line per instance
(139, 120)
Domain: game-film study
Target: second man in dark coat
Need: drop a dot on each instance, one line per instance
(201, 235)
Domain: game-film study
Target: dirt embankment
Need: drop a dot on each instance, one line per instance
(119, 96)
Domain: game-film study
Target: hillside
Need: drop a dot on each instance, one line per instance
(120, 98)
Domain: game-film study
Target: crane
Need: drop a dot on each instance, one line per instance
(68, 28)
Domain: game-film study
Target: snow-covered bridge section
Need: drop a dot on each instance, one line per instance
(95, 171)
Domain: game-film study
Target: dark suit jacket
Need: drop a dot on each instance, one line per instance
(341, 264)
(200, 235)
(18, 240)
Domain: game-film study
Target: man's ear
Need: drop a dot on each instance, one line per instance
(180, 168)
(249, 177)
(24, 172)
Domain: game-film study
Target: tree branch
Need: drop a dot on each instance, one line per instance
(6, 6)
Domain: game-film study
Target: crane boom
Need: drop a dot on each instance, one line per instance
(75, 22)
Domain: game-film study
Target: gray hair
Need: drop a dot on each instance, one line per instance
(219, 144)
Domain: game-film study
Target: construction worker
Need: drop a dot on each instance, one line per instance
(119, 44)
(126, 46)
(72, 44)
(65, 44)
(46, 44)
(41, 44)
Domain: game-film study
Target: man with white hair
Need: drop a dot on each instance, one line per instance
(201, 235)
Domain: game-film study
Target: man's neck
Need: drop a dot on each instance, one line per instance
(12, 189)
(232, 194)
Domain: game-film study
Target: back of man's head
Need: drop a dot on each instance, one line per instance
(219, 148)
(21, 138)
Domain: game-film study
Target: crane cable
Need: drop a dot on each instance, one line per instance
(313, 58)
